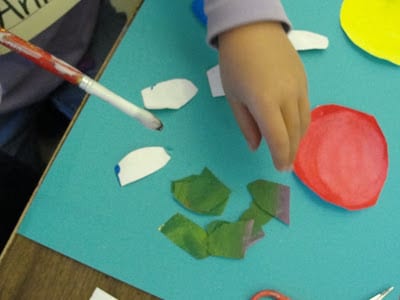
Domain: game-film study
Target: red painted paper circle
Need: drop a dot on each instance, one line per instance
(343, 157)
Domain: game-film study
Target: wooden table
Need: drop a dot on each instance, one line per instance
(29, 270)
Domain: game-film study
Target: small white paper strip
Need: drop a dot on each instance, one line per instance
(214, 80)
(307, 40)
(141, 163)
(300, 39)
(170, 94)
(99, 294)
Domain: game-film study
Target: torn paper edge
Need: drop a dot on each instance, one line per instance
(283, 213)
(169, 94)
(141, 163)
(99, 294)
(300, 39)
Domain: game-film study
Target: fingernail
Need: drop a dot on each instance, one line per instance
(252, 146)
(287, 169)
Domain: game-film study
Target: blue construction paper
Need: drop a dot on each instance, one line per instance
(326, 253)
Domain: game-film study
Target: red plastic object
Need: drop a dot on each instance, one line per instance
(343, 157)
(269, 294)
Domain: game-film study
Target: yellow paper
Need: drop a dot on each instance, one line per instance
(374, 26)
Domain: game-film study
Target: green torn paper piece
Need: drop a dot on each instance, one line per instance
(187, 235)
(265, 194)
(203, 194)
(260, 217)
(222, 238)
(229, 240)
(210, 227)
(273, 198)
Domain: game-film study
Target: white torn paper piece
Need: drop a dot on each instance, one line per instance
(300, 39)
(99, 294)
(307, 40)
(214, 80)
(170, 94)
(141, 163)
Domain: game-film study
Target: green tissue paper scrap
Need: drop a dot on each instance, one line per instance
(186, 234)
(273, 198)
(228, 239)
(203, 194)
(260, 217)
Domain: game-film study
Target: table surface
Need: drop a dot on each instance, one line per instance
(326, 252)
(31, 271)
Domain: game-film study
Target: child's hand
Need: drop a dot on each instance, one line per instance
(265, 83)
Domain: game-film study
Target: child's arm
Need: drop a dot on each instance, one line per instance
(262, 74)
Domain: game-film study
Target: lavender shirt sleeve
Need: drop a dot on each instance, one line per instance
(226, 14)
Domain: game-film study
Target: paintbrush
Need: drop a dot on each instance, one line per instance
(71, 74)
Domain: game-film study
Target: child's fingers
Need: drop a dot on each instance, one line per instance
(272, 126)
(305, 115)
(247, 124)
(291, 117)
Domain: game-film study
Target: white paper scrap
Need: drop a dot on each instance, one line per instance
(99, 294)
(214, 80)
(307, 40)
(141, 163)
(300, 39)
(170, 94)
